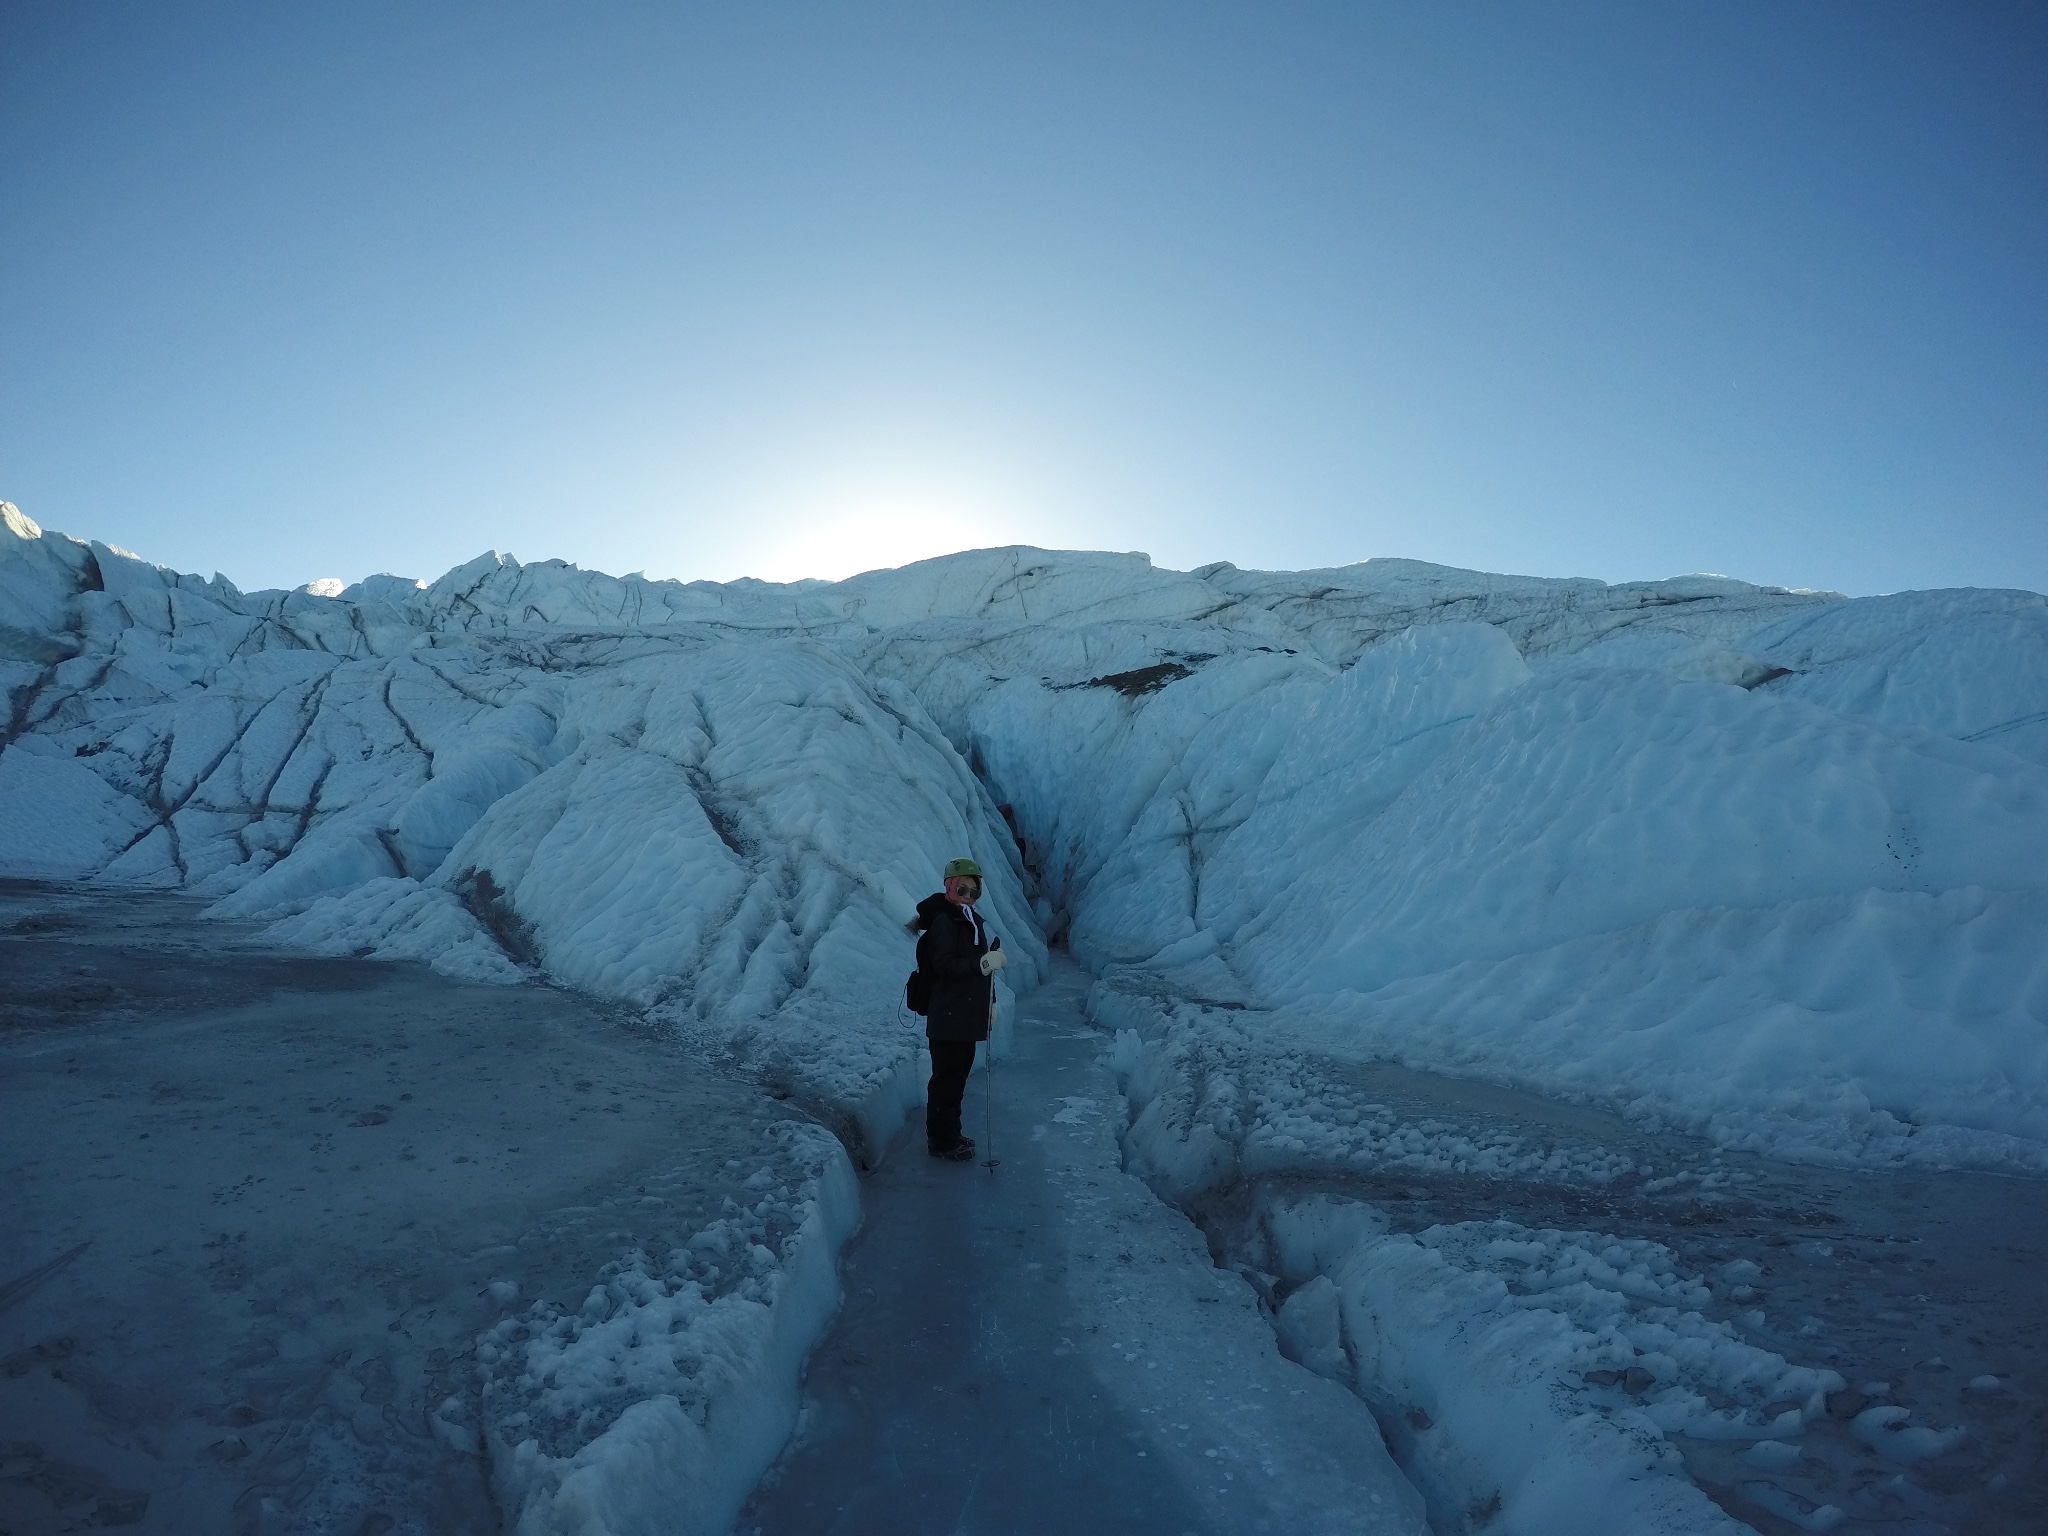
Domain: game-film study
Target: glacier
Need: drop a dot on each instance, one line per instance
(1762, 866)
(1772, 865)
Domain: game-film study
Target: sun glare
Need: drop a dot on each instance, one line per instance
(836, 548)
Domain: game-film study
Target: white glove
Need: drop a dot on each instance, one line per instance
(992, 962)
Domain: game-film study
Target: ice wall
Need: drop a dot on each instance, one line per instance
(1797, 907)
(1765, 863)
(724, 825)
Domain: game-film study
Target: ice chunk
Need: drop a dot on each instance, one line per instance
(1887, 1431)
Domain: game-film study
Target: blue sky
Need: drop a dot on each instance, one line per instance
(1610, 290)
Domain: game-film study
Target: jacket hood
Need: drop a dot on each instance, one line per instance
(931, 909)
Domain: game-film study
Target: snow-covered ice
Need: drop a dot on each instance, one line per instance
(1555, 1312)
(1768, 864)
(670, 1388)
(309, 1245)
(1762, 870)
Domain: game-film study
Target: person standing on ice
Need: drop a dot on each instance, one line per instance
(958, 958)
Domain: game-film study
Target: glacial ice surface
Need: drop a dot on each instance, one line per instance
(1764, 866)
(1760, 863)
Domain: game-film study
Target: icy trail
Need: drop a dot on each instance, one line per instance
(1049, 1348)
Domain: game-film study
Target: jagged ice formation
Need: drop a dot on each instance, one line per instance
(1764, 863)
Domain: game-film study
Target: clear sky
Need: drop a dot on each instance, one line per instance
(1627, 290)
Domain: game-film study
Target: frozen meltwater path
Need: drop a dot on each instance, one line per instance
(1049, 1347)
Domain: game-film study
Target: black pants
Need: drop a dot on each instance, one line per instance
(952, 1060)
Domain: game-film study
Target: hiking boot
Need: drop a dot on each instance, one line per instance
(961, 1151)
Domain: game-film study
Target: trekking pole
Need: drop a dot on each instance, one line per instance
(988, 1089)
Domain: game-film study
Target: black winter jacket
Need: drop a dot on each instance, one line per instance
(947, 953)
